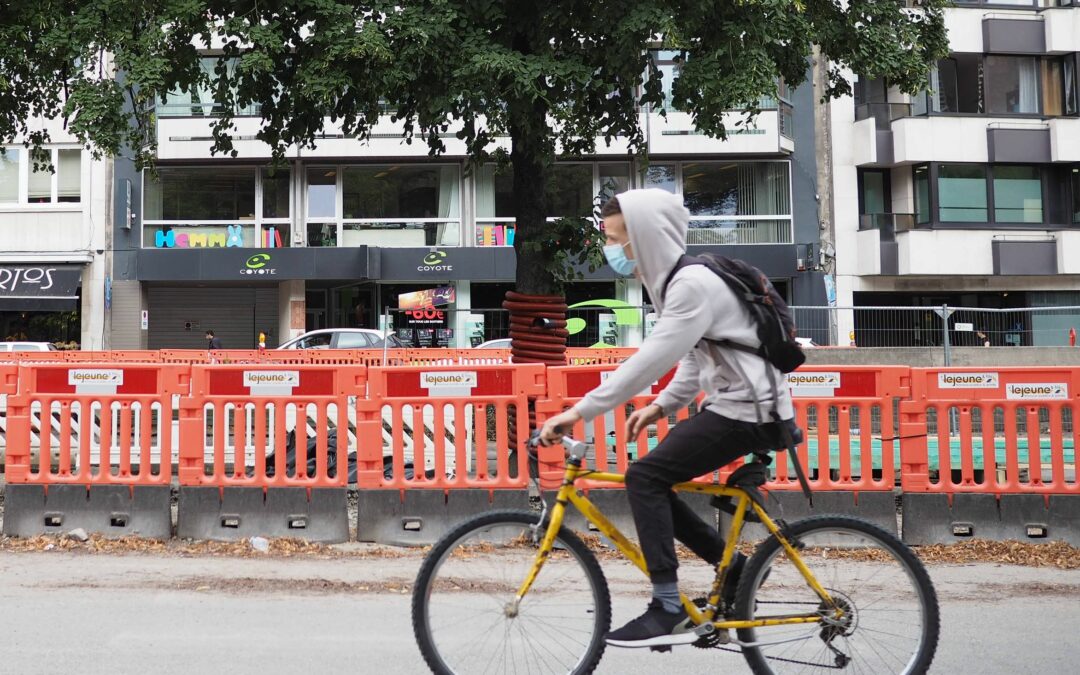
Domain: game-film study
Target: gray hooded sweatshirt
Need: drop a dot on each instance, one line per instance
(697, 304)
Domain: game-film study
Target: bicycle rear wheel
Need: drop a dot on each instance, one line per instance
(889, 621)
(469, 580)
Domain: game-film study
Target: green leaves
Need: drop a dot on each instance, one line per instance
(557, 76)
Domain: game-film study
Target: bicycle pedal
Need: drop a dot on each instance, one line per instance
(660, 648)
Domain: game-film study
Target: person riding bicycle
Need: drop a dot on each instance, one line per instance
(646, 237)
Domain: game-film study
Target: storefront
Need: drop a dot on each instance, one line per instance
(238, 293)
(40, 303)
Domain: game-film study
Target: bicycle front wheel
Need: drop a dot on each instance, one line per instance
(883, 617)
(463, 602)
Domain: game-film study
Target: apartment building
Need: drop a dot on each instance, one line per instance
(339, 235)
(969, 193)
(55, 284)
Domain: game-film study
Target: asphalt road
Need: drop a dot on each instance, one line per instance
(115, 614)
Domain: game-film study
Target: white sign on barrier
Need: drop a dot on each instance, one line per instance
(1020, 391)
(449, 383)
(819, 385)
(968, 380)
(95, 380)
(272, 382)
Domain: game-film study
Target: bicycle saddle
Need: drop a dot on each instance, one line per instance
(748, 478)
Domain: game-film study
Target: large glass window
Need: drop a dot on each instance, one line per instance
(220, 193)
(199, 101)
(737, 188)
(1017, 194)
(663, 176)
(1069, 75)
(571, 192)
(962, 193)
(959, 84)
(669, 70)
(1012, 84)
(9, 176)
(275, 193)
(322, 193)
(401, 192)
(874, 191)
(1052, 91)
(922, 194)
(39, 189)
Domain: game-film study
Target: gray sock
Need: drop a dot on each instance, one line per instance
(668, 595)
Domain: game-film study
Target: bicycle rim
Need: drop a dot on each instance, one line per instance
(474, 580)
(889, 622)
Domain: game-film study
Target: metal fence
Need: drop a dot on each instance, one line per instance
(938, 326)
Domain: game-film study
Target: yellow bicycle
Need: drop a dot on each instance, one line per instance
(516, 592)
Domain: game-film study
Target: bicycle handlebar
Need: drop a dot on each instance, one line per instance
(571, 445)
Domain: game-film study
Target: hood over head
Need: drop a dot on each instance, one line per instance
(656, 222)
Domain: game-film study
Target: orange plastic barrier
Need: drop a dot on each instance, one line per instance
(27, 357)
(991, 430)
(451, 357)
(568, 385)
(238, 414)
(576, 356)
(449, 422)
(135, 356)
(97, 424)
(9, 384)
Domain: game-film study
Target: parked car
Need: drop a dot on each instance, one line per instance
(343, 338)
(501, 343)
(27, 347)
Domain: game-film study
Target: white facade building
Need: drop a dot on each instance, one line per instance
(54, 233)
(969, 194)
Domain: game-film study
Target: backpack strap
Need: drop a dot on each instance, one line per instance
(684, 260)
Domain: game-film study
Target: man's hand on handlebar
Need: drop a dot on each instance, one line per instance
(556, 427)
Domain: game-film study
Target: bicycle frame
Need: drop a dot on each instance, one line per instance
(568, 494)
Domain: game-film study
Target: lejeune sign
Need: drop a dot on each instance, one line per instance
(38, 287)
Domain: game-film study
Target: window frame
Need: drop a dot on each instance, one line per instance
(25, 168)
(1051, 208)
(986, 86)
(886, 185)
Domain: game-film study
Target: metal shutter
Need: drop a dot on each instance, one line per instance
(180, 317)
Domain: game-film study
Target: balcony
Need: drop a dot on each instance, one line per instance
(888, 224)
(874, 139)
(770, 134)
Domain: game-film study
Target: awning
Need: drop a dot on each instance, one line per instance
(40, 287)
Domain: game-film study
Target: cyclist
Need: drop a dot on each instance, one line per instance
(646, 237)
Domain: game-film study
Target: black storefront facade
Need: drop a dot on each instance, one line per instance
(40, 302)
(241, 292)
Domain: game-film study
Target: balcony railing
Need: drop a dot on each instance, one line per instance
(887, 223)
(727, 230)
(883, 113)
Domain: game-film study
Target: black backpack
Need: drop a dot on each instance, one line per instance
(775, 330)
(775, 324)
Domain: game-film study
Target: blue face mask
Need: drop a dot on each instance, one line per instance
(616, 257)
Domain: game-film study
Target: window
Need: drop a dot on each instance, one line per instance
(1017, 194)
(1012, 85)
(663, 176)
(322, 193)
(572, 189)
(959, 84)
(669, 70)
(1069, 75)
(199, 101)
(9, 176)
(201, 193)
(401, 192)
(1076, 195)
(922, 194)
(1052, 91)
(874, 191)
(961, 193)
(61, 184)
(275, 193)
(353, 341)
(317, 341)
(737, 188)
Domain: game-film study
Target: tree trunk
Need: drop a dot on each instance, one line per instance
(534, 297)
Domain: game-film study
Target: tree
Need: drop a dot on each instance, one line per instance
(555, 77)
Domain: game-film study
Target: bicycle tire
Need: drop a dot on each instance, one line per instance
(750, 594)
(433, 563)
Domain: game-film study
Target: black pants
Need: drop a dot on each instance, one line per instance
(704, 443)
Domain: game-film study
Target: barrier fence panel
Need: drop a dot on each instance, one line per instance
(435, 446)
(850, 450)
(991, 453)
(104, 448)
(9, 384)
(248, 462)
